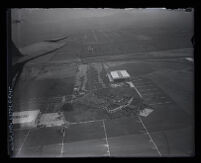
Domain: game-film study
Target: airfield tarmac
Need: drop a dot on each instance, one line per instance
(163, 78)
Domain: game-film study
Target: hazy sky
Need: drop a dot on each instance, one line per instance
(39, 24)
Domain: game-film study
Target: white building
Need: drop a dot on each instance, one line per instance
(119, 75)
(26, 118)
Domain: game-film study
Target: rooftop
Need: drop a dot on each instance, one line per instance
(119, 74)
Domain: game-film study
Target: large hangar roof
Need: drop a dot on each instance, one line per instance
(119, 74)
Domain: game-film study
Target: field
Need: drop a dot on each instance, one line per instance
(170, 120)
(162, 77)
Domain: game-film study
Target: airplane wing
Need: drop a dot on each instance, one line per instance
(39, 49)
(57, 39)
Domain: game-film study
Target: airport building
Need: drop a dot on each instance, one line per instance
(26, 119)
(118, 76)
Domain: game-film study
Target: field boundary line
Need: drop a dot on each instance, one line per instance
(106, 137)
(62, 146)
(137, 90)
(82, 122)
(151, 139)
(23, 142)
(147, 132)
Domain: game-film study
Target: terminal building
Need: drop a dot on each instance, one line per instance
(118, 76)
